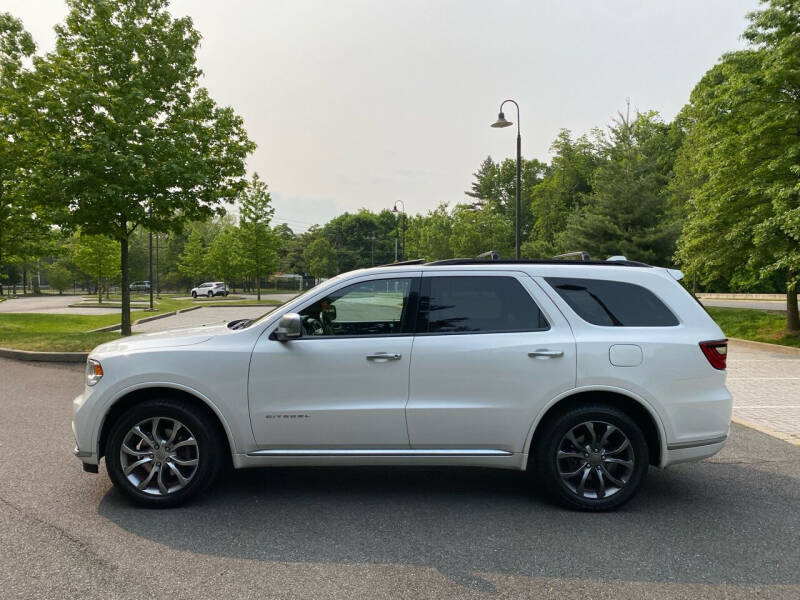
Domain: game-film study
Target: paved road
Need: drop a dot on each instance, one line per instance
(208, 315)
(52, 305)
(723, 528)
(757, 304)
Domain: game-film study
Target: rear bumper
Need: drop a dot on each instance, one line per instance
(694, 450)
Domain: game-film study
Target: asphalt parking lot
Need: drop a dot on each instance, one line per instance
(724, 528)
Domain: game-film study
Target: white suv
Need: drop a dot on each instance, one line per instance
(210, 288)
(585, 373)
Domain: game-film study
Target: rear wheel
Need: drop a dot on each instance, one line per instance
(210, 294)
(161, 453)
(592, 457)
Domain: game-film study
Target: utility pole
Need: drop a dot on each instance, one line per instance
(151, 270)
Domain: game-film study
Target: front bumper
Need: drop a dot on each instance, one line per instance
(83, 430)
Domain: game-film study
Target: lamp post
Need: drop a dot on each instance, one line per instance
(402, 211)
(502, 122)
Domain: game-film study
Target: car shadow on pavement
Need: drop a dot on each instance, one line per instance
(709, 522)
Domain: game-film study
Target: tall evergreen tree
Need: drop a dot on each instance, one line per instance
(627, 210)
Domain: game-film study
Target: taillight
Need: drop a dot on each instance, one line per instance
(716, 352)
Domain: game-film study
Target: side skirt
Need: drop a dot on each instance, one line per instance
(480, 457)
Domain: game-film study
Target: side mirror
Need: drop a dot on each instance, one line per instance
(290, 327)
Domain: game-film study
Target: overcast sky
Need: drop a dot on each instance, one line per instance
(360, 103)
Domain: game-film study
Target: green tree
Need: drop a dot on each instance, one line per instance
(225, 258)
(192, 261)
(18, 145)
(258, 242)
(429, 235)
(738, 168)
(135, 140)
(98, 257)
(59, 276)
(563, 190)
(320, 258)
(494, 187)
(475, 231)
(627, 210)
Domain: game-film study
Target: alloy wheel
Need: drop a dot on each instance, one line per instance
(595, 460)
(159, 456)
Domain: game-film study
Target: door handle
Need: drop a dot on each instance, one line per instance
(545, 353)
(384, 356)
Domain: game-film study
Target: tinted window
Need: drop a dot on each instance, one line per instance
(477, 305)
(613, 303)
(375, 307)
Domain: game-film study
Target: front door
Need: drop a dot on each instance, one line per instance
(344, 383)
(490, 351)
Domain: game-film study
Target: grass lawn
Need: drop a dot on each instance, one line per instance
(54, 333)
(67, 333)
(757, 325)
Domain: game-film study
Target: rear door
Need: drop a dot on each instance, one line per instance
(491, 349)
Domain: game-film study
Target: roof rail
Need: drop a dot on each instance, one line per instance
(541, 261)
(416, 261)
(583, 254)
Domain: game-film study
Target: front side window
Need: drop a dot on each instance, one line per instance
(376, 307)
(467, 304)
(613, 303)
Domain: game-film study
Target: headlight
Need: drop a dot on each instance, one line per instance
(94, 372)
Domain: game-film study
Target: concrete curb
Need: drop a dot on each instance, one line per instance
(731, 296)
(766, 346)
(273, 306)
(781, 436)
(29, 355)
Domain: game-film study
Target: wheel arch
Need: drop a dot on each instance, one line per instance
(637, 408)
(131, 397)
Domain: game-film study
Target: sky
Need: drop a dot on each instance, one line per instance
(359, 103)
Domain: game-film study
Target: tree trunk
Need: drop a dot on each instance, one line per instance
(792, 317)
(126, 293)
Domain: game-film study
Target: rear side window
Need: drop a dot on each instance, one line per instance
(613, 303)
(477, 305)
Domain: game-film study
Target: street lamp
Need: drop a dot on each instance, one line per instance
(403, 212)
(502, 122)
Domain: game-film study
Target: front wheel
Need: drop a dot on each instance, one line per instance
(194, 294)
(592, 457)
(161, 454)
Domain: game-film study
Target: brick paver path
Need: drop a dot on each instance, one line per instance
(765, 384)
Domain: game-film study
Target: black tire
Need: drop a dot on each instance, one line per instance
(210, 294)
(209, 451)
(568, 491)
(194, 295)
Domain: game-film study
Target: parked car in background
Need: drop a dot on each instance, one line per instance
(139, 286)
(210, 288)
(583, 373)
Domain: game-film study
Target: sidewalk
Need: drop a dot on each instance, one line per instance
(765, 384)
